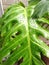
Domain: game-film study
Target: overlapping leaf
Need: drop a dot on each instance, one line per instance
(33, 2)
(41, 8)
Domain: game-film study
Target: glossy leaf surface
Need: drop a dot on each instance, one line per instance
(21, 35)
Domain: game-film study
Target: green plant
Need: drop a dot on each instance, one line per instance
(19, 34)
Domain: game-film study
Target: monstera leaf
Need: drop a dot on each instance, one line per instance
(41, 8)
(33, 2)
(21, 37)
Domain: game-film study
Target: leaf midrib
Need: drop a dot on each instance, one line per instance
(27, 30)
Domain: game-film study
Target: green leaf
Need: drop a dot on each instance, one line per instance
(41, 8)
(33, 2)
(44, 20)
(21, 35)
